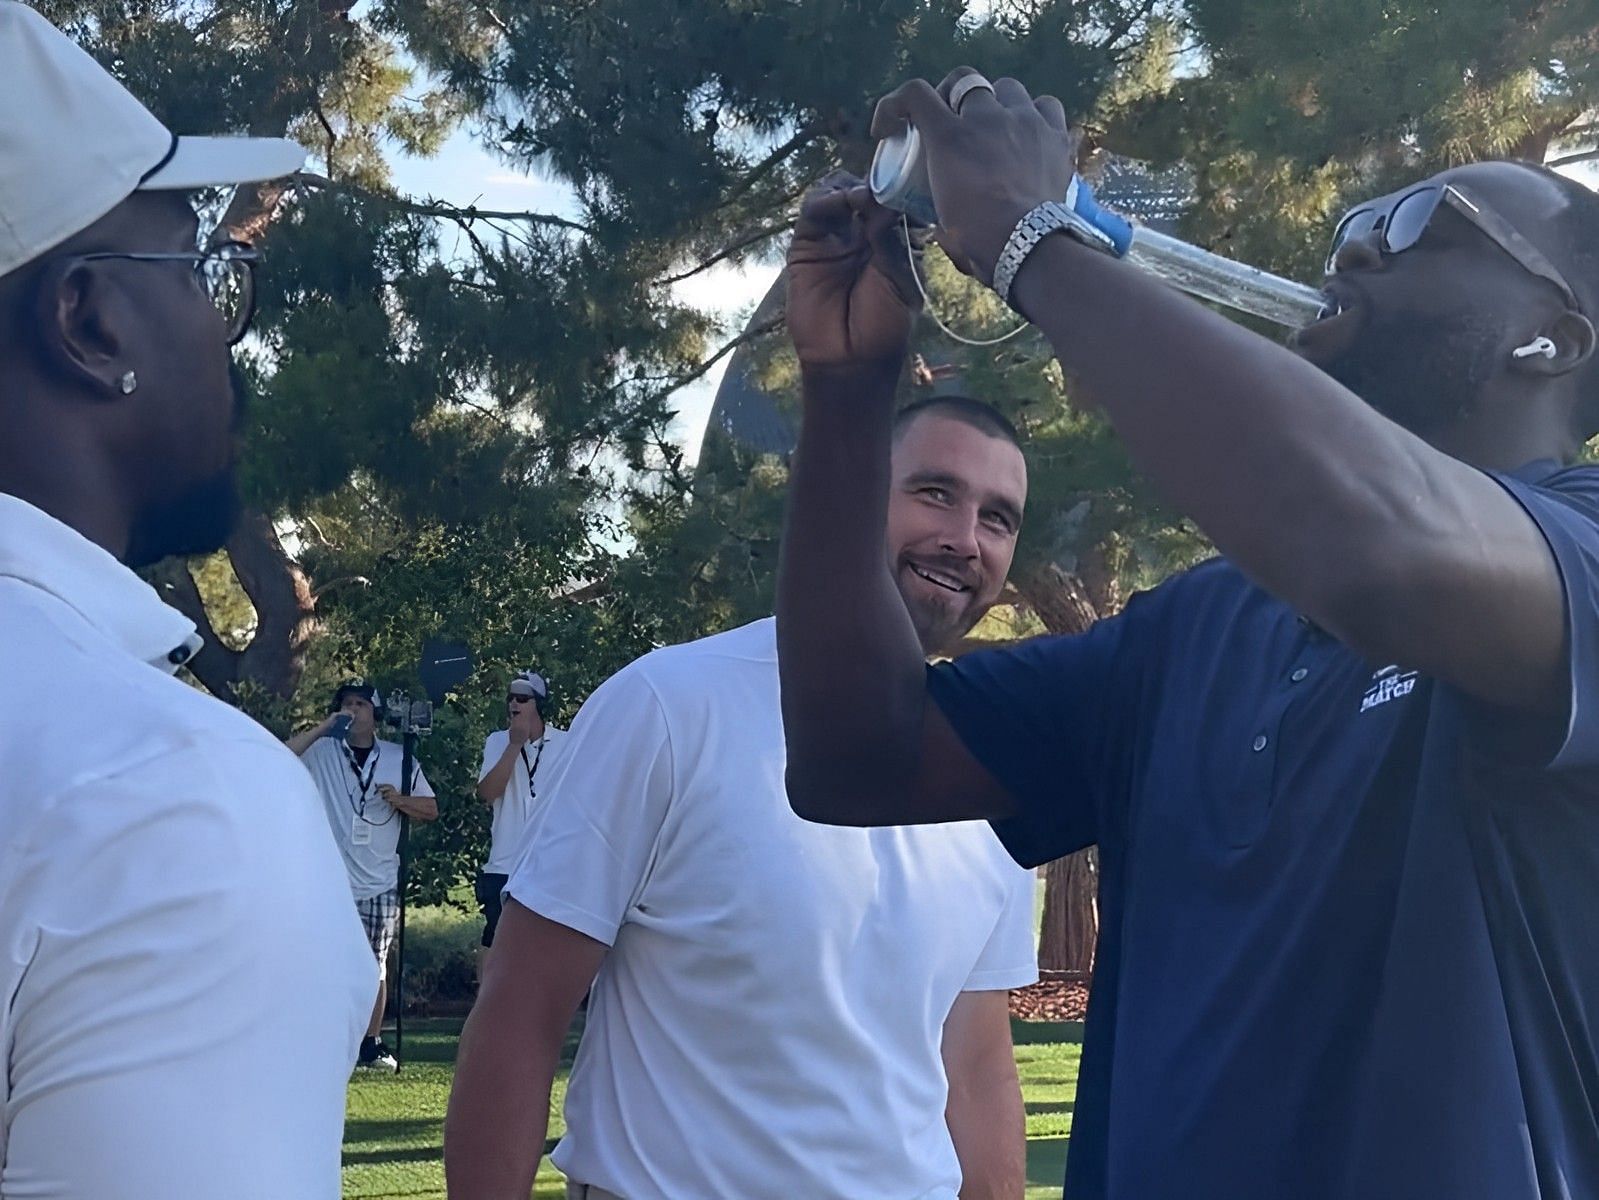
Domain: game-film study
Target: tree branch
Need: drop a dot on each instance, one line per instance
(727, 252)
(327, 126)
(436, 208)
(493, 18)
(1141, 13)
(215, 666)
(284, 604)
(749, 335)
(806, 135)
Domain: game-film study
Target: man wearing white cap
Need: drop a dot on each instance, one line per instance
(365, 795)
(508, 784)
(185, 982)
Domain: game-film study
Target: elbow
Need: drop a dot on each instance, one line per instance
(838, 794)
(484, 794)
(811, 799)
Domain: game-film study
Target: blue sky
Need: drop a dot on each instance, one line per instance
(463, 174)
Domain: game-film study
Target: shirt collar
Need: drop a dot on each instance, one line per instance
(39, 550)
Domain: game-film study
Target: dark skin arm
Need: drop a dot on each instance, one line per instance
(864, 745)
(1402, 552)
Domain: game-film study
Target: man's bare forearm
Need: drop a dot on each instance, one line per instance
(499, 1115)
(418, 808)
(851, 666)
(492, 786)
(304, 740)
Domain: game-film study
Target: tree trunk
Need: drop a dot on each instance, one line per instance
(1071, 914)
(285, 609)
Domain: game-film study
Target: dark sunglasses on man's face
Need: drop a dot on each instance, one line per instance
(1404, 216)
(514, 699)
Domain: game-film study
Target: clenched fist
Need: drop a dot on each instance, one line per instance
(852, 297)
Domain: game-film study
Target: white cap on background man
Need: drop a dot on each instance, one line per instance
(530, 683)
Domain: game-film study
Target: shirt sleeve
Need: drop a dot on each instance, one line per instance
(586, 854)
(1053, 720)
(1010, 959)
(420, 785)
(193, 989)
(1565, 508)
(493, 746)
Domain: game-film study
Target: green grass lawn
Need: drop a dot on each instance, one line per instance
(394, 1131)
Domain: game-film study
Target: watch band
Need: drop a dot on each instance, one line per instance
(1050, 217)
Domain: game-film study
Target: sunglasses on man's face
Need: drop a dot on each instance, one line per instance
(1404, 216)
(515, 699)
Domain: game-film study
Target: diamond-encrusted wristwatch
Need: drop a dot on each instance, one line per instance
(1053, 216)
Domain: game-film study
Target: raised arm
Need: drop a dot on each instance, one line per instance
(303, 741)
(864, 745)
(1400, 550)
(491, 788)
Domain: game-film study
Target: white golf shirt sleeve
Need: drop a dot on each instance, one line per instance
(1010, 958)
(419, 783)
(586, 855)
(494, 747)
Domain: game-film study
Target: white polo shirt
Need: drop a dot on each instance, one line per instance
(536, 762)
(769, 1017)
(365, 825)
(187, 983)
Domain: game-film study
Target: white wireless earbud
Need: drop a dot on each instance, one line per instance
(1539, 347)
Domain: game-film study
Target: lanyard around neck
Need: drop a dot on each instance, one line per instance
(371, 772)
(533, 767)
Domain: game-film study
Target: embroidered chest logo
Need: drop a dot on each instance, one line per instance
(1390, 683)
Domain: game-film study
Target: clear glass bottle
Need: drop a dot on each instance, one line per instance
(899, 181)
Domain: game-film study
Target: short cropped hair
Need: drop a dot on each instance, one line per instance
(979, 414)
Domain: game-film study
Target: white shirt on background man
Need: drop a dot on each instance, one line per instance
(768, 1019)
(186, 980)
(365, 825)
(536, 763)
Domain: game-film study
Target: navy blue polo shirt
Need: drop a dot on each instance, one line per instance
(1349, 942)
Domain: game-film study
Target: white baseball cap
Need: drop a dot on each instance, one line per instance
(529, 683)
(74, 143)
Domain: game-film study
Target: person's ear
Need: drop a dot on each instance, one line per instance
(78, 317)
(1559, 350)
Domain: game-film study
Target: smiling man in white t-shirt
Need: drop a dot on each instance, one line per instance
(779, 1008)
(508, 782)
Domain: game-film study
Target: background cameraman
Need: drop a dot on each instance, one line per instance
(359, 778)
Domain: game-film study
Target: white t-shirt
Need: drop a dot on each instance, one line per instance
(525, 787)
(186, 981)
(365, 825)
(769, 1017)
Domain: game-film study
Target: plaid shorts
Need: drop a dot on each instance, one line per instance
(380, 915)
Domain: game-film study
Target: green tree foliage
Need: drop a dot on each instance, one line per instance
(460, 417)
